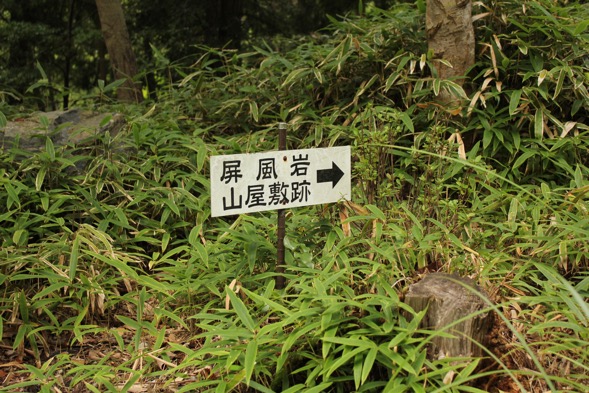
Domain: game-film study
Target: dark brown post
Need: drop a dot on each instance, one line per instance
(281, 220)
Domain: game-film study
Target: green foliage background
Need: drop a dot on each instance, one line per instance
(110, 242)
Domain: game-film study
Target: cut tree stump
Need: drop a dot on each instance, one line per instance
(449, 298)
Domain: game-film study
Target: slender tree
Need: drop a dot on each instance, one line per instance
(223, 23)
(450, 36)
(69, 54)
(120, 51)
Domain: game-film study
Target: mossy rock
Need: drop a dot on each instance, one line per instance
(74, 126)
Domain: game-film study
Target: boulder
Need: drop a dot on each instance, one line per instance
(73, 126)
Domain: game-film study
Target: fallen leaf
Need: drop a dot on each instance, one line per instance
(343, 216)
(137, 388)
(449, 377)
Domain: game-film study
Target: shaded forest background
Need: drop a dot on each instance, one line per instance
(60, 42)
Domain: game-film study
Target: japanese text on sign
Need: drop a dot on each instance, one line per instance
(243, 183)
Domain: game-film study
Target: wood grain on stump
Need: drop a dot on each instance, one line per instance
(449, 298)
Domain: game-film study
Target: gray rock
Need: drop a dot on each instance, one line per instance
(74, 126)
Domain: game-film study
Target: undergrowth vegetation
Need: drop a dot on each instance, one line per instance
(115, 277)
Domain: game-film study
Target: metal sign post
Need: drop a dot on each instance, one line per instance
(281, 228)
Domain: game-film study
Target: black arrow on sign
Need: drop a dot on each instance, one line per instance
(332, 175)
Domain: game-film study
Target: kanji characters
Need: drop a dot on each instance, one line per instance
(231, 171)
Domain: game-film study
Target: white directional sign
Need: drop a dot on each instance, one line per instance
(245, 183)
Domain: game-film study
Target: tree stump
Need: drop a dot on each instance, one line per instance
(449, 298)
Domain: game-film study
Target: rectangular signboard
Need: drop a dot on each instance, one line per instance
(246, 183)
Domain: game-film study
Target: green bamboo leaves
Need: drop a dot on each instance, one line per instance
(241, 311)
(113, 239)
(251, 351)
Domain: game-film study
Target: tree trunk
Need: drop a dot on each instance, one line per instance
(450, 37)
(223, 24)
(69, 55)
(118, 45)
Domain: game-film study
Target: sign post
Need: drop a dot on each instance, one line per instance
(281, 225)
(279, 180)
